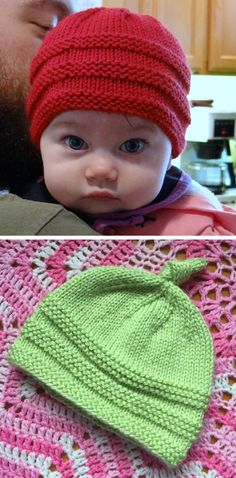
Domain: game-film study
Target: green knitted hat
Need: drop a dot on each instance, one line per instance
(128, 348)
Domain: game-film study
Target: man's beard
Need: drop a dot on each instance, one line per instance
(20, 163)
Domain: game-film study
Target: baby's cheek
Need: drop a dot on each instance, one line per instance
(154, 184)
(142, 192)
(57, 186)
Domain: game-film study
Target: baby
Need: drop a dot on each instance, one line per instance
(108, 109)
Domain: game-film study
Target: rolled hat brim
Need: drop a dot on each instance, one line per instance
(167, 437)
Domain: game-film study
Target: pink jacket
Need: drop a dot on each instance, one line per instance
(189, 216)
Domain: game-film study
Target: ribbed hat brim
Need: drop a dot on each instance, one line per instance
(168, 437)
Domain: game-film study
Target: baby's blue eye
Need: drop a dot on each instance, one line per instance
(132, 146)
(75, 142)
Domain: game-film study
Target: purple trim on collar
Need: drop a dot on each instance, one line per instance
(136, 217)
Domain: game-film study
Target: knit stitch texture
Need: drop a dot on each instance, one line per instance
(128, 348)
(111, 60)
(39, 436)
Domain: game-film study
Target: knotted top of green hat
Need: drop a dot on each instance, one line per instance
(128, 348)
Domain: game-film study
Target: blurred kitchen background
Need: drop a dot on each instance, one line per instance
(207, 31)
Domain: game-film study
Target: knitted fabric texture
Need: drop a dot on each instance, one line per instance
(111, 60)
(130, 349)
(42, 438)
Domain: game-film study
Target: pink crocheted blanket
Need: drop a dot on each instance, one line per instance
(40, 437)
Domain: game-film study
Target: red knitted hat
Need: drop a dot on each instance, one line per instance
(112, 60)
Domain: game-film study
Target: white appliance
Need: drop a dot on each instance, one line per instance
(208, 123)
(207, 157)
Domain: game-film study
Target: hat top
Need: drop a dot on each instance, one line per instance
(131, 320)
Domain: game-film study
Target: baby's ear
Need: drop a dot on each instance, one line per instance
(179, 271)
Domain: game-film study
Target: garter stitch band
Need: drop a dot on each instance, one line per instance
(111, 60)
(129, 349)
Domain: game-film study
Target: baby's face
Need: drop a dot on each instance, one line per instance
(98, 162)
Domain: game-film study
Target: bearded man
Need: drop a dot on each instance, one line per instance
(23, 26)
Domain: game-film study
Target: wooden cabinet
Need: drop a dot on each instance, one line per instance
(222, 36)
(205, 28)
(134, 5)
(187, 19)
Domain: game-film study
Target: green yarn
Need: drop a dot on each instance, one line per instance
(128, 348)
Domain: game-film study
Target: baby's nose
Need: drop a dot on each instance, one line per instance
(101, 169)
